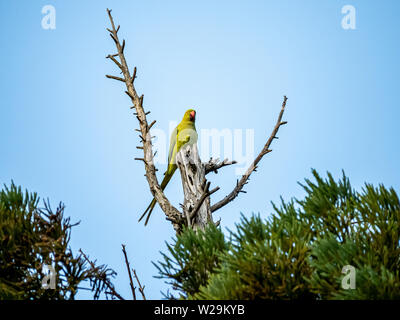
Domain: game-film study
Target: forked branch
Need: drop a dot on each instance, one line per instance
(133, 288)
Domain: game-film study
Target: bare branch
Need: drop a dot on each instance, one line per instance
(214, 164)
(170, 211)
(115, 78)
(129, 273)
(205, 194)
(112, 36)
(134, 75)
(152, 124)
(141, 288)
(105, 281)
(112, 57)
(245, 177)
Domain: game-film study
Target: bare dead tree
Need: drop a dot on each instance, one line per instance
(196, 208)
(196, 189)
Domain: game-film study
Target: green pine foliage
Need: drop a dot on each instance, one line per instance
(31, 237)
(299, 251)
(193, 257)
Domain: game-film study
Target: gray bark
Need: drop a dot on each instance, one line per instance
(194, 187)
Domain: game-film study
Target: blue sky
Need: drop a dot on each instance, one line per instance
(66, 131)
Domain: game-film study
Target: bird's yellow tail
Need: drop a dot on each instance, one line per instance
(167, 177)
(150, 207)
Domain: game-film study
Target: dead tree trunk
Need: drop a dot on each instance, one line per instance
(197, 211)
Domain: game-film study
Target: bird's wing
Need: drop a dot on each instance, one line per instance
(172, 143)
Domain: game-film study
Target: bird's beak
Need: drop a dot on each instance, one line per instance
(192, 115)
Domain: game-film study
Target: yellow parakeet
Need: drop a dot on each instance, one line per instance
(184, 133)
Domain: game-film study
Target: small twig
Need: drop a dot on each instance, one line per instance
(123, 45)
(141, 288)
(133, 76)
(115, 61)
(113, 37)
(152, 124)
(115, 78)
(129, 272)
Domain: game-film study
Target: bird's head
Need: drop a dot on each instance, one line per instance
(190, 115)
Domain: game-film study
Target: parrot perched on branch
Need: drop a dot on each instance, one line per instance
(184, 133)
